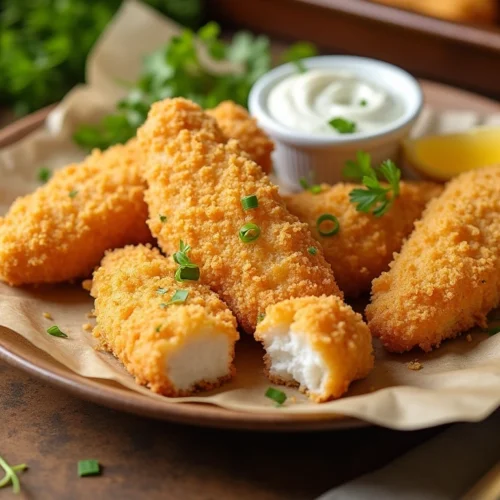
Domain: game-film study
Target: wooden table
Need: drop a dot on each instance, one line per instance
(51, 431)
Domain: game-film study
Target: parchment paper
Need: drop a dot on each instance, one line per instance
(459, 381)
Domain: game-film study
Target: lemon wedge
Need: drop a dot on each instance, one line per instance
(442, 157)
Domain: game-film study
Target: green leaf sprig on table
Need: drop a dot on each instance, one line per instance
(177, 70)
(377, 198)
(44, 44)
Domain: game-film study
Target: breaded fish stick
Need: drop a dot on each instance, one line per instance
(318, 343)
(236, 123)
(447, 276)
(253, 258)
(198, 183)
(173, 348)
(364, 245)
(62, 230)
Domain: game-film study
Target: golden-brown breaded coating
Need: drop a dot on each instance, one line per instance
(236, 123)
(317, 343)
(174, 349)
(447, 276)
(364, 245)
(198, 183)
(62, 230)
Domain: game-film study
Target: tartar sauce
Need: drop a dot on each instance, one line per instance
(307, 102)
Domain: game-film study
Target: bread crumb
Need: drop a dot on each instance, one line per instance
(87, 327)
(87, 285)
(292, 400)
(469, 338)
(91, 314)
(47, 315)
(414, 365)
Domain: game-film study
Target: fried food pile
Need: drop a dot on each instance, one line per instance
(233, 253)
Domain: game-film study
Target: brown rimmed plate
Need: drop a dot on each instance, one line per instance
(25, 356)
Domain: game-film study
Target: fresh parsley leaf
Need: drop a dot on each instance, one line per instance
(363, 103)
(298, 51)
(55, 331)
(313, 188)
(342, 125)
(375, 198)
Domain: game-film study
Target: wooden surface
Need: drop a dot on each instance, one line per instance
(461, 55)
(51, 431)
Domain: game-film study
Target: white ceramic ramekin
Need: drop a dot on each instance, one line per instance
(300, 154)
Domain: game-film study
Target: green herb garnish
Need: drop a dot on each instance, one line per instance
(72, 194)
(158, 328)
(89, 468)
(493, 330)
(313, 188)
(375, 197)
(177, 70)
(163, 218)
(161, 291)
(260, 317)
(327, 218)
(249, 232)
(44, 174)
(187, 270)
(312, 250)
(342, 126)
(276, 395)
(178, 297)
(249, 202)
(299, 51)
(10, 476)
(56, 332)
(363, 103)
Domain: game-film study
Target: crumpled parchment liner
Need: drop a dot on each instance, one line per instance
(458, 382)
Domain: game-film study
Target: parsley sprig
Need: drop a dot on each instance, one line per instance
(376, 197)
(307, 186)
(297, 52)
(187, 270)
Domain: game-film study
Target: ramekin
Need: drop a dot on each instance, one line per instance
(300, 154)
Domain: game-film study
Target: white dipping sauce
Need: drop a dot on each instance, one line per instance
(307, 101)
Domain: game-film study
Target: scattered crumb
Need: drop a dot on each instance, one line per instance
(469, 338)
(414, 365)
(87, 285)
(91, 314)
(87, 327)
(47, 315)
(292, 400)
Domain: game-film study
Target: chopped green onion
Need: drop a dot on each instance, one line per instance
(161, 291)
(88, 468)
(158, 327)
(314, 188)
(72, 194)
(312, 250)
(187, 274)
(249, 202)
(56, 332)
(44, 174)
(260, 317)
(363, 102)
(163, 218)
(276, 395)
(342, 126)
(179, 296)
(10, 476)
(331, 218)
(249, 232)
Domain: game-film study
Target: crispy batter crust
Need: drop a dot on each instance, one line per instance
(138, 331)
(364, 246)
(334, 330)
(198, 185)
(49, 236)
(236, 123)
(447, 276)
